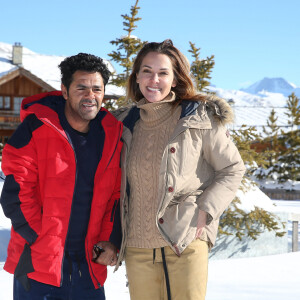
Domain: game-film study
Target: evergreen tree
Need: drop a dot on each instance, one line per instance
(293, 112)
(201, 68)
(271, 148)
(243, 139)
(248, 224)
(289, 160)
(128, 46)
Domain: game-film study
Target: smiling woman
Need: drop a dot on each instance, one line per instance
(182, 171)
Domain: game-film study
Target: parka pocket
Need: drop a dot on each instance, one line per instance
(24, 267)
(177, 199)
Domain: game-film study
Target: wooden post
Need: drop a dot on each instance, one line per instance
(294, 236)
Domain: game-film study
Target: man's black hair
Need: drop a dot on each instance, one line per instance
(82, 62)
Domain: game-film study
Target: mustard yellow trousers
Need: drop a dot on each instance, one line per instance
(186, 275)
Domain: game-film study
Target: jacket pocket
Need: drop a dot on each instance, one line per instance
(181, 198)
(24, 267)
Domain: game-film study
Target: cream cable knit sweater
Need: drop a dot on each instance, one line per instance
(150, 137)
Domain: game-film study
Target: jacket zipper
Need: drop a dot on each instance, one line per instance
(63, 258)
(89, 260)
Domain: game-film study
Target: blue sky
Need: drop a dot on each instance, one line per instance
(250, 39)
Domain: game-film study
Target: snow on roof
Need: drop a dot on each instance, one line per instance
(249, 109)
(254, 110)
(45, 67)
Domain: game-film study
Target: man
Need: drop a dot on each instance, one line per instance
(61, 190)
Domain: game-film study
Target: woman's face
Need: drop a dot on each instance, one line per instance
(155, 77)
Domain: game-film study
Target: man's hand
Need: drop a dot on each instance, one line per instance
(109, 256)
(202, 218)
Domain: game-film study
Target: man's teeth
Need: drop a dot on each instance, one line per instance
(153, 89)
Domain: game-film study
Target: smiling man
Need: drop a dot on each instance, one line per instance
(62, 188)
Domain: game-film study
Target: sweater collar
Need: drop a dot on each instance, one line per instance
(156, 113)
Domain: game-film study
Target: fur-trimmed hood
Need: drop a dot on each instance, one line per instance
(221, 110)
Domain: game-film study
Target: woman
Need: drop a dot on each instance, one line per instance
(180, 172)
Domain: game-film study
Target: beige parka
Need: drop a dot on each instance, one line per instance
(201, 168)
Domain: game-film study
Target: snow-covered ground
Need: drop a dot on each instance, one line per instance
(274, 277)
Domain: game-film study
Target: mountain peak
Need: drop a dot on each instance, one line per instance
(272, 85)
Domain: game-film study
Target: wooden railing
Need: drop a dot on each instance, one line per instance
(277, 194)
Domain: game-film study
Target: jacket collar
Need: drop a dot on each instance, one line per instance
(132, 117)
(189, 108)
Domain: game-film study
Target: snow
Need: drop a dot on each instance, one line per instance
(251, 108)
(289, 185)
(254, 110)
(44, 66)
(254, 197)
(262, 99)
(274, 277)
(275, 85)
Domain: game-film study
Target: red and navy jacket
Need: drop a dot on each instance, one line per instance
(40, 168)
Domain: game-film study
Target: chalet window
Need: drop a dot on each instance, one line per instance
(17, 104)
(4, 102)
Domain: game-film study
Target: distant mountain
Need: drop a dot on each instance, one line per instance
(272, 85)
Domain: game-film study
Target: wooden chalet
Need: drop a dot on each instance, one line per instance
(14, 86)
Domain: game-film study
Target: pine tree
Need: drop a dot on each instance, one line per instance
(235, 220)
(248, 224)
(201, 68)
(128, 46)
(293, 112)
(289, 160)
(272, 148)
(243, 139)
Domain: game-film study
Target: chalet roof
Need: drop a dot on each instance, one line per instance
(21, 71)
(42, 69)
(258, 116)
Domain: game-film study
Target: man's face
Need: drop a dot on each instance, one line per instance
(83, 99)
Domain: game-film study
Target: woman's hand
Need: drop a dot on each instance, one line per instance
(202, 218)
